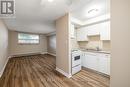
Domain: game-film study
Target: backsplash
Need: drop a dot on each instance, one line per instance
(74, 44)
(106, 45)
(94, 42)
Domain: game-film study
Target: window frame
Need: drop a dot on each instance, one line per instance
(28, 39)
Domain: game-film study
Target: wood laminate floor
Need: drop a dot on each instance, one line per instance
(39, 71)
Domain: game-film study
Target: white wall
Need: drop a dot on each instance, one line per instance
(51, 44)
(15, 48)
(3, 46)
(120, 43)
(62, 44)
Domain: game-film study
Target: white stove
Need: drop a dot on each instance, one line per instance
(76, 61)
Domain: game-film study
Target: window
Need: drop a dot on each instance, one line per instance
(28, 38)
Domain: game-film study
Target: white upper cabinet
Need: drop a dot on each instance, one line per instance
(82, 34)
(105, 31)
(102, 29)
(94, 30)
(72, 31)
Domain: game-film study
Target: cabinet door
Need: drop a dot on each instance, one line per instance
(105, 31)
(82, 34)
(83, 59)
(91, 61)
(72, 31)
(93, 30)
(104, 63)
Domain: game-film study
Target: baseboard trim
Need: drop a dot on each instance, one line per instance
(27, 54)
(63, 73)
(10, 57)
(94, 71)
(51, 54)
(44, 53)
(3, 69)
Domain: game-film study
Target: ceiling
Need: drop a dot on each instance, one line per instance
(103, 7)
(36, 17)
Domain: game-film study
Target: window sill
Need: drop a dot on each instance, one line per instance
(28, 43)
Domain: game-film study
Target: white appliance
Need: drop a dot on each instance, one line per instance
(76, 61)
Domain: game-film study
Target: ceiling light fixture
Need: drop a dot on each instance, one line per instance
(92, 10)
(92, 13)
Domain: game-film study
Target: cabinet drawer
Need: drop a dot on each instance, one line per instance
(76, 69)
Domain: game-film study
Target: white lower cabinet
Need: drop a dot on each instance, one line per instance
(96, 61)
(83, 59)
(91, 61)
(104, 63)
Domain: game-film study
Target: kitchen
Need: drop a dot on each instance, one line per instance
(91, 44)
(65, 43)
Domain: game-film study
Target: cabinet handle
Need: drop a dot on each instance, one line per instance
(93, 54)
(106, 55)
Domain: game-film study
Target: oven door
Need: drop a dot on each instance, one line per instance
(76, 60)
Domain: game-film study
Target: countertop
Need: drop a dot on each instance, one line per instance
(94, 51)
